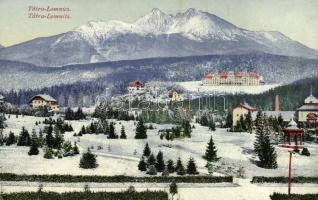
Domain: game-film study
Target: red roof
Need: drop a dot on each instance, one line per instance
(238, 74)
(208, 76)
(136, 84)
(253, 75)
(223, 74)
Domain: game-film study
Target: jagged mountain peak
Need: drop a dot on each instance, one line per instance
(156, 34)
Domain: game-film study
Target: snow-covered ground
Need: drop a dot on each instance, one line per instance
(195, 86)
(120, 157)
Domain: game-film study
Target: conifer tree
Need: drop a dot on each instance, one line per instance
(204, 120)
(49, 139)
(191, 167)
(211, 152)
(41, 138)
(179, 167)
(75, 149)
(249, 122)
(58, 139)
(123, 133)
(141, 131)
(88, 160)
(173, 189)
(229, 120)
(34, 146)
(151, 160)
(170, 166)
(152, 170)
(147, 151)
(262, 146)
(11, 139)
(160, 164)
(112, 134)
(142, 166)
(48, 153)
(280, 121)
(186, 128)
(69, 114)
(83, 130)
(24, 138)
(211, 125)
(79, 114)
(242, 123)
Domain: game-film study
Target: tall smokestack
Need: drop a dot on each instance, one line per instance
(277, 103)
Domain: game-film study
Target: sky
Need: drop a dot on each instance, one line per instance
(297, 19)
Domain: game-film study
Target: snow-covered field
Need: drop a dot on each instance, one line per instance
(121, 157)
(195, 86)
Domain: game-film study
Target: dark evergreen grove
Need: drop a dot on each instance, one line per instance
(71, 115)
(88, 160)
(211, 152)
(263, 147)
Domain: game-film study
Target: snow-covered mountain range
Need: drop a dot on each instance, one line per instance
(156, 34)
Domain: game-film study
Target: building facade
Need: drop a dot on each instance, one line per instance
(309, 111)
(42, 100)
(232, 78)
(136, 86)
(173, 95)
(241, 110)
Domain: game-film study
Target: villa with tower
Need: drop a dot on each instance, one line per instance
(308, 112)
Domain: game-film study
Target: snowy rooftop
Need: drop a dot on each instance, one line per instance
(46, 97)
(292, 125)
(1, 97)
(311, 99)
(309, 107)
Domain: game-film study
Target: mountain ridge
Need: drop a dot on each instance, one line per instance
(191, 33)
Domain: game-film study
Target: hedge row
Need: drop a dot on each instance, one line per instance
(278, 196)
(154, 195)
(114, 179)
(282, 179)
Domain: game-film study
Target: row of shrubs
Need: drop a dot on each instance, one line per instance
(282, 179)
(114, 179)
(279, 196)
(145, 195)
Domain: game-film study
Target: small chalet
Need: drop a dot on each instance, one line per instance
(44, 100)
(173, 95)
(241, 110)
(309, 111)
(136, 86)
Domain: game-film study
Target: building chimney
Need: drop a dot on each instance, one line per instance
(277, 103)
